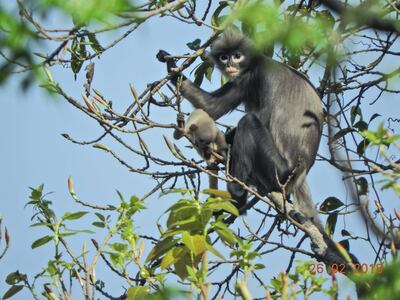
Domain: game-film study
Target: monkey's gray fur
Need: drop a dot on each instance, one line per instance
(281, 130)
(207, 139)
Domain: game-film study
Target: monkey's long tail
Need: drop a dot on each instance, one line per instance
(304, 203)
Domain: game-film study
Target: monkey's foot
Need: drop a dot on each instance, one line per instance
(230, 134)
(297, 216)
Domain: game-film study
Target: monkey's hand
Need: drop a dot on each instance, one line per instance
(180, 120)
(164, 57)
(230, 135)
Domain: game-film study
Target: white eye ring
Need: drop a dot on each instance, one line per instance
(223, 58)
(237, 57)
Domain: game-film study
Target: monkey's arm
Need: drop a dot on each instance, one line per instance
(216, 104)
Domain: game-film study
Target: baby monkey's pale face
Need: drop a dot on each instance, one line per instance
(229, 63)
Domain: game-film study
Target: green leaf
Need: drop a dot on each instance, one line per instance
(247, 28)
(14, 278)
(190, 224)
(51, 268)
(52, 88)
(94, 43)
(330, 203)
(119, 247)
(41, 241)
(182, 216)
(173, 256)
(161, 247)
(215, 17)
(217, 204)
(180, 204)
(181, 266)
(41, 224)
(193, 274)
(342, 133)
(99, 224)
(36, 194)
(195, 45)
(355, 110)
(226, 235)
(196, 243)
(121, 198)
(76, 63)
(327, 16)
(362, 145)
(82, 48)
(183, 212)
(48, 74)
(345, 244)
(102, 147)
(214, 251)
(362, 185)
(100, 216)
(137, 292)
(209, 73)
(12, 291)
(74, 216)
(204, 69)
(72, 232)
(343, 252)
(331, 224)
(172, 232)
(217, 193)
(371, 136)
(361, 126)
(344, 232)
(373, 117)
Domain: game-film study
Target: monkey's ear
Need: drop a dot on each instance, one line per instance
(193, 128)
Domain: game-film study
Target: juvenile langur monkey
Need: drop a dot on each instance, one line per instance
(276, 141)
(207, 139)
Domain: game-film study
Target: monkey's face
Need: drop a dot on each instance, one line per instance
(207, 152)
(231, 63)
(203, 141)
(232, 53)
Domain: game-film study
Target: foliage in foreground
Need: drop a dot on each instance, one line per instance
(194, 240)
(186, 241)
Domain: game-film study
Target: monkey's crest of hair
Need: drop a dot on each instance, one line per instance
(230, 40)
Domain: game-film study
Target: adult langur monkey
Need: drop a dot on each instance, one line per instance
(278, 137)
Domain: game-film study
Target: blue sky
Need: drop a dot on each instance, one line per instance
(33, 151)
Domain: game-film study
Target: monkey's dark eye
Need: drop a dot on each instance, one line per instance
(237, 57)
(223, 57)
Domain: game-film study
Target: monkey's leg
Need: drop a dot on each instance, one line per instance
(241, 161)
(255, 159)
(267, 166)
(230, 135)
